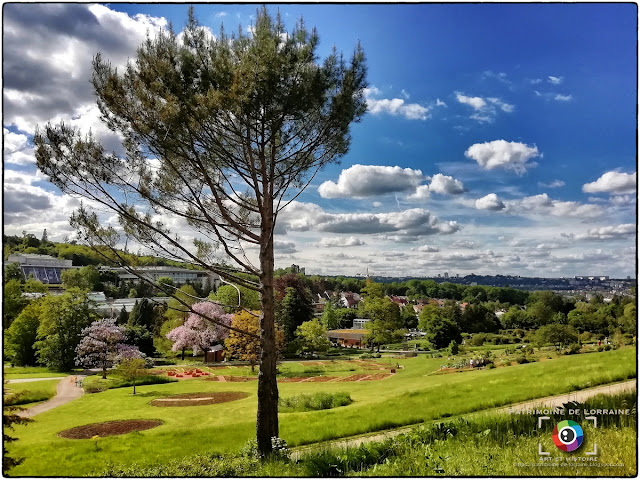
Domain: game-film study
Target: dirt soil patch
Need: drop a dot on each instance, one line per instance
(194, 399)
(353, 378)
(107, 429)
(306, 379)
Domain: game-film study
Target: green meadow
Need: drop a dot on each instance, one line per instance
(411, 396)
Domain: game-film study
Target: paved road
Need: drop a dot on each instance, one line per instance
(26, 380)
(66, 392)
(557, 400)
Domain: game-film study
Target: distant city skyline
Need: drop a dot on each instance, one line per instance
(499, 138)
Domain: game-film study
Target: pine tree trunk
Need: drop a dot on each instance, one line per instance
(267, 418)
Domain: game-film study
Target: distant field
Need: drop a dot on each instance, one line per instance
(408, 397)
(11, 373)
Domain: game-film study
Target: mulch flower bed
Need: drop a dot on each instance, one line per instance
(353, 378)
(107, 429)
(195, 399)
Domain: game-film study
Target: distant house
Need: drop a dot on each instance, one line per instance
(318, 308)
(349, 299)
(401, 301)
(351, 338)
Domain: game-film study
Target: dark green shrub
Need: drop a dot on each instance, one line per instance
(573, 349)
(521, 360)
(600, 348)
(607, 348)
(94, 387)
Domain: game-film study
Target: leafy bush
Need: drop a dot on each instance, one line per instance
(573, 349)
(600, 348)
(146, 380)
(94, 387)
(607, 348)
(490, 366)
(316, 401)
(521, 360)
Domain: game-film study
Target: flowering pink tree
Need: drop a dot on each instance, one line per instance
(197, 332)
(100, 344)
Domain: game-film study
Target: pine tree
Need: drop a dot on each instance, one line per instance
(256, 107)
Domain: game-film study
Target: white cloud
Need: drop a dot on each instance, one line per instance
(442, 184)
(553, 184)
(16, 149)
(563, 98)
(426, 249)
(606, 233)
(440, 103)
(394, 106)
(404, 93)
(477, 103)
(513, 156)
(490, 202)
(485, 110)
(543, 205)
(221, 14)
(422, 193)
(464, 244)
(535, 81)
(340, 242)
(612, 182)
(555, 80)
(369, 180)
(300, 216)
(377, 204)
(446, 185)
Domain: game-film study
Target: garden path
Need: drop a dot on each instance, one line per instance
(557, 400)
(66, 391)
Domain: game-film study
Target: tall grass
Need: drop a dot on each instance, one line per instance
(315, 401)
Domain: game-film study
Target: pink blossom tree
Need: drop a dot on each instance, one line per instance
(100, 344)
(197, 332)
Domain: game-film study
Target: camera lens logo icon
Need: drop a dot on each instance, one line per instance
(568, 435)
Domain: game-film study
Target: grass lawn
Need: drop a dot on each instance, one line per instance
(31, 393)
(11, 373)
(410, 396)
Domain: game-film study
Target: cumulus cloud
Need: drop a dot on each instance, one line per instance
(605, 233)
(553, 184)
(490, 202)
(300, 216)
(17, 149)
(369, 180)
(47, 54)
(340, 242)
(555, 80)
(563, 98)
(512, 156)
(394, 106)
(446, 185)
(377, 204)
(441, 184)
(543, 205)
(612, 182)
(422, 193)
(426, 249)
(283, 247)
(485, 109)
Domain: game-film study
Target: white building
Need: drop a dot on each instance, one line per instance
(179, 275)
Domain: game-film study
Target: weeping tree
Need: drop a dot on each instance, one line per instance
(219, 135)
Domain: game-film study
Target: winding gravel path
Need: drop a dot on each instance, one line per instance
(556, 400)
(66, 392)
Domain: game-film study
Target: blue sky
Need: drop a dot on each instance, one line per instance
(507, 130)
